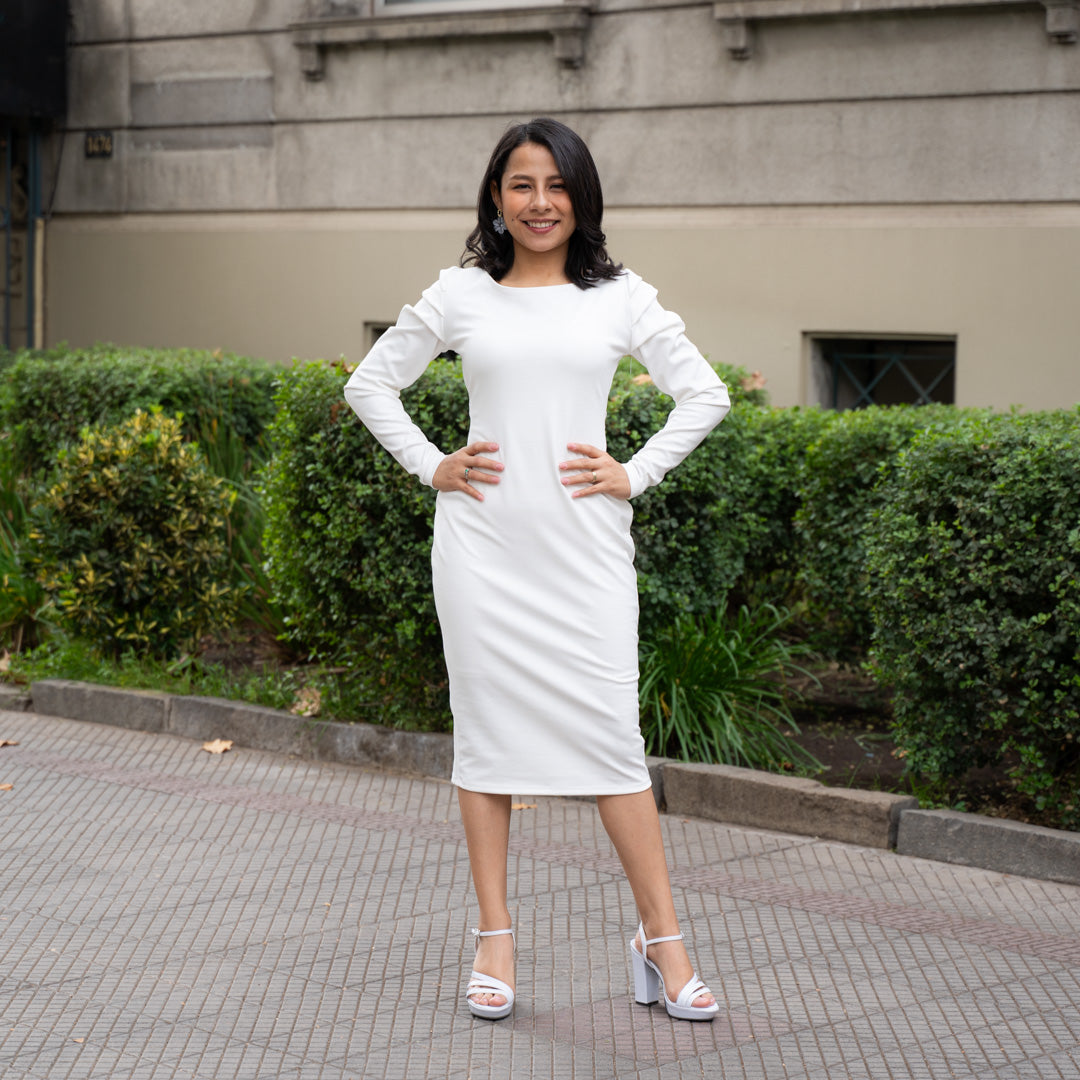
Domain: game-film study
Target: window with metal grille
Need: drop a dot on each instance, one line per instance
(853, 372)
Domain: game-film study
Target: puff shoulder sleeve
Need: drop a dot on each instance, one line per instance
(658, 339)
(397, 360)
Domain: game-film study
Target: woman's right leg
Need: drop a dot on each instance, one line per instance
(487, 832)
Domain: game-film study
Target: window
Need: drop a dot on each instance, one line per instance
(373, 331)
(853, 372)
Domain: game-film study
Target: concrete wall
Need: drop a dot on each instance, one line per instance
(909, 172)
(751, 285)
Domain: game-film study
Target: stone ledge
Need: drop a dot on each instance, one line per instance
(140, 710)
(424, 753)
(784, 803)
(12, 699)
(1009, 847)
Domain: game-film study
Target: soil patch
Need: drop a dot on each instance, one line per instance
(846, 724)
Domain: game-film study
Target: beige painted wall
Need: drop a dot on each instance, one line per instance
(751, 284)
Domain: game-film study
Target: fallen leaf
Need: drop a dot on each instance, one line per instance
(6, 787)
(78, 1040)
(8, 742)
(523, 806)
(217, 746)
(307, 702)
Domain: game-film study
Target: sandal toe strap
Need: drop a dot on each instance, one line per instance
(485, 984)
(694, 989)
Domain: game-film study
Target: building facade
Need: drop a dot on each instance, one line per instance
(861, 199)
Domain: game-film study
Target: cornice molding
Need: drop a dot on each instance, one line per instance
(566, 24)
(738, 18)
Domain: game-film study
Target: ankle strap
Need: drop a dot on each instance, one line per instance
(657, 940)
(491, 933)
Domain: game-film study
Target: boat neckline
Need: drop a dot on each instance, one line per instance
(527, 288)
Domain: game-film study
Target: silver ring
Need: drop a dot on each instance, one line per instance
(466, 474)
(594, 480)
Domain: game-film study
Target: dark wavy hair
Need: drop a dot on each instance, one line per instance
(587, 260)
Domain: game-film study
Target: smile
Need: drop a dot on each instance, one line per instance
(541, 226)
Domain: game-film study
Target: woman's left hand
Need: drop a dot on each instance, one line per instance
(597, 471)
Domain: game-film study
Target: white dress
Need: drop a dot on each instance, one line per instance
(536, 591)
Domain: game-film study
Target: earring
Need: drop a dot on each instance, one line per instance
(497, 221)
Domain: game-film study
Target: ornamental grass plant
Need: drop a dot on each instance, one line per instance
(713, 688)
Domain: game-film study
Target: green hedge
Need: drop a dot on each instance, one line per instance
(348, 535)
(772, 457)
(50, 396)
(974, 583)
(843, 483)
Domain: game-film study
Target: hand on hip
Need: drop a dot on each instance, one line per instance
(596, 472)
(464, 468)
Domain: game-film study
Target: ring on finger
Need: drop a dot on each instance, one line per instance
(594, 480)
(466, 474)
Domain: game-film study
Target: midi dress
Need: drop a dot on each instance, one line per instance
(536, 591)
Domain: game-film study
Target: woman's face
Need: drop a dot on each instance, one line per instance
(534, 202)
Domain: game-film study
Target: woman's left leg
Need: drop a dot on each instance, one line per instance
(634, 827)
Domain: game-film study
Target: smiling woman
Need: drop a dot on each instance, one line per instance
(541, 185)
(532, 560)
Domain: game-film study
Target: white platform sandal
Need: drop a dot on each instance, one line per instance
(649, 983)
(485, 984)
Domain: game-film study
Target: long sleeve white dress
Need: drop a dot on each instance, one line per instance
(536, 591)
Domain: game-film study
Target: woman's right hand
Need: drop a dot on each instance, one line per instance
(460, 470)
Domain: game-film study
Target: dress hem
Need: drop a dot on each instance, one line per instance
(551, 793)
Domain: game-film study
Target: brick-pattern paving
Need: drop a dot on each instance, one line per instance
(168, 913)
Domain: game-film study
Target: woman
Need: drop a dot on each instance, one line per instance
(532, 560)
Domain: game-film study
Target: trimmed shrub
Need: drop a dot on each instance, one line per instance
(21, 597)
(843, 484)
(974, 584)
(774, 461)
(348, 535)
(128, 538)
(50, 396)
(690, 535)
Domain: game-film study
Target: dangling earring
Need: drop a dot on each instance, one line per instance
(497, 221)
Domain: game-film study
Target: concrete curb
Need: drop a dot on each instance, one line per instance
(715, 792)
(13, 699)
(424, 753)
(1010, 847)
(785, 803)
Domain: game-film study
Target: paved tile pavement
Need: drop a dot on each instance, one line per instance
(169, 913)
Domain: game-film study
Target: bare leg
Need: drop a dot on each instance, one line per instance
(487, 833)
(634, 827)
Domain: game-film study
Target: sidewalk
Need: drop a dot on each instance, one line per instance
(165, 912)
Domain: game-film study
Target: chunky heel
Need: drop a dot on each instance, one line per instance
(649, 983)
(646, 981)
